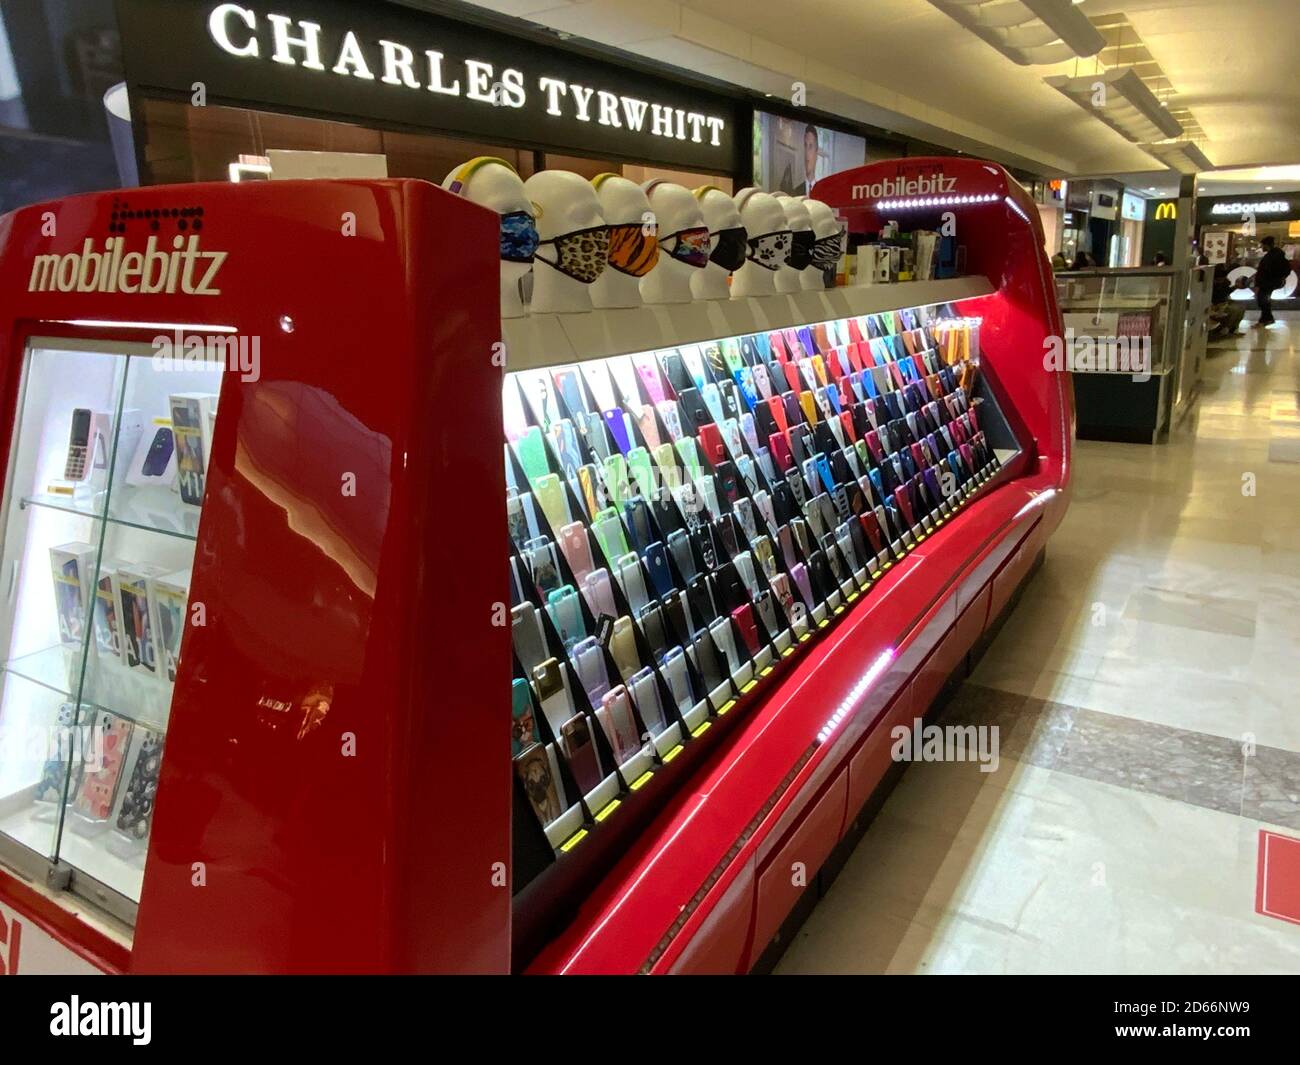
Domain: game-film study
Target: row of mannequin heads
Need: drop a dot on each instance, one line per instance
(611, 242)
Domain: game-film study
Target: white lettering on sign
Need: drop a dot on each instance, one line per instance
(186, 268)
(1269, 207)
(238, 31)
(925, 185)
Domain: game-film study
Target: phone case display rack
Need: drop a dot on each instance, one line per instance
(706, 642)
(743, 494)
(705, 883)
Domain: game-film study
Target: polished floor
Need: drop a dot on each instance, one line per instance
(1145, 693)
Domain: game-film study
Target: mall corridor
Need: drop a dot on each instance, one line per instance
(1144, 689)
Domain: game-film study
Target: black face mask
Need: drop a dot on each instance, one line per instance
(801, 249)
(731, 249)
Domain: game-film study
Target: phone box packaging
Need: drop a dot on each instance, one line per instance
(72, 565)
(139, 617)
(191, 428)
(171, 595)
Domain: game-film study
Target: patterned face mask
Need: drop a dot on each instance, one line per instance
(730, 252)
(770, 250)
(802, 248)
(518, 237)
(826, 251)
(690, 246)
(581, 255)
(633, 248)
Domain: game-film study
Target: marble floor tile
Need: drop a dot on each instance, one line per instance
(1192, 610)
(1073, 876)
(1271, 787)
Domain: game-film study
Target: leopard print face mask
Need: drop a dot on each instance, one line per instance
(581, 255)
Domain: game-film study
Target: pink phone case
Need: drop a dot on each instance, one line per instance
(577, 549)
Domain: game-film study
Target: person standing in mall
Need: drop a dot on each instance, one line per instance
(1271, 272)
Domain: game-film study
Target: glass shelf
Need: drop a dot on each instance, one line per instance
(109, 685)
(149, 509)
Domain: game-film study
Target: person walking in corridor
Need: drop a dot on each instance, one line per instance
(1270, 274)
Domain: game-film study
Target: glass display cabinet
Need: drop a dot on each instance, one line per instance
(1130, 343)
(106, 485)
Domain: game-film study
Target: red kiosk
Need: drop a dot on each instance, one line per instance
(334, 792)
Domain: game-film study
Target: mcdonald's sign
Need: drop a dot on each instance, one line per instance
(1166, 210)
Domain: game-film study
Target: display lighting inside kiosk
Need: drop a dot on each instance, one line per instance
(172, 327)
(858, 690)
(934, 201)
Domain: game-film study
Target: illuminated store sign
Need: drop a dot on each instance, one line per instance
(1265, 207)
(400, 67)
(238, 31)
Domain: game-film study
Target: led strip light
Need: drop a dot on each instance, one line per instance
(934, 201)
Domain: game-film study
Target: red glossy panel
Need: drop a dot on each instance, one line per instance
(1008, 578)
(872, 759)
(793, 868)
(718, 945)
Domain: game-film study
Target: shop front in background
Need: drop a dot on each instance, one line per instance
(1232, 230)
(329, 88)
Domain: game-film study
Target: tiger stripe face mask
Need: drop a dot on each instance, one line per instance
(633, 248)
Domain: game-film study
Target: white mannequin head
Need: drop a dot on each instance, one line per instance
(623, 203)
(681, 229)
(789, 278)
(722, 217)
(825, 227)
(566, 203)
(494, 184)
(764, 220)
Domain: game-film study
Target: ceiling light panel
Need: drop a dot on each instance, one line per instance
(1120, 99)
(1183, 156)
(1028, 32)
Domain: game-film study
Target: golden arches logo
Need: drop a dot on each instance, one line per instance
(1166, 210)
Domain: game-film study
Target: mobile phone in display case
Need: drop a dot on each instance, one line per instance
(135, 816)
(104, 755)
(77, 463)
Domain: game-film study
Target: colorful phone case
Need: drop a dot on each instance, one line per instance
(105, 757)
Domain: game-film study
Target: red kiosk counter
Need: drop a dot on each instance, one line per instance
(745, 539)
